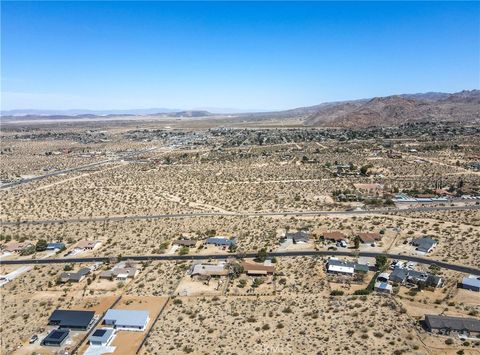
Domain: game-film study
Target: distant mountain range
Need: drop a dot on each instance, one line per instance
(378, 111)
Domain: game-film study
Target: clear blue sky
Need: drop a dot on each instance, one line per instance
(105, 55)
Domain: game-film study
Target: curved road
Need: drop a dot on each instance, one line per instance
(241, 214)
(418, 259)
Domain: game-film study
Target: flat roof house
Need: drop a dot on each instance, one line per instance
(383, 287)
(335, 236)
(402, 275)
(185, 243)
(16, 247)
(102, 336)
(256, 269)
(471, 282)
(71, 319)
(369, 238)
(209, 270)
(56, 337)
(126, 319)
(119, 273)
(55, 245)
(424, 244)
(446, 325)
(220, 241)
(335, 266)
(87, 244)
(298, 237)
(74, 276)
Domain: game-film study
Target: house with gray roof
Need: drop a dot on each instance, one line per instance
(126, 319)
(74, 276)
(471, 282)
(424, 244)
(402, 276)
(220, 242)
(446, 325)
(298, 237)
(101, 336)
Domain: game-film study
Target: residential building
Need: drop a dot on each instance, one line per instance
(220, 242)
(298, 237)
(74, 276)
(339, 267)
(56, 337)
(209, 270)
(369, 238)
(256, 269)
(102, 336)
(334, 236)
(71, 319)
(16, 247)
(55, 245)
(464, 327)
(401, 275)
(126, 319)
(471, 282)
(119, 273)
(424, 244)
(87, 244)
(185, 243)
(383, 287)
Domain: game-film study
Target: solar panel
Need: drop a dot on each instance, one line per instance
(99, 332)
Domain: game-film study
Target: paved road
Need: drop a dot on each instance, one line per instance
(240, 214)
(418, 259)
(78, 168)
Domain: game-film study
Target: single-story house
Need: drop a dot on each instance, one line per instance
(369, 238)
(74, 276)
(56, 337)
(424, 244)
(383, 287)
(220, 242)
(335, 236)
(383, 277)
(256, 269)
(71, 319)
(55, 245)
(335, 266)
(119, 273)
(16, 247)
(298, 237)
(446, 325)
(471, 282)
(402, 275)
(209, 270)
(127, 319)
(185, 243)
(102, 336)
(87, 244)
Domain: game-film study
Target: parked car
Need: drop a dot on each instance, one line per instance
(33, 339)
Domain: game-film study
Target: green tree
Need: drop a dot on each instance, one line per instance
(381, 262)
(183, 250)
(261, 255)
(356, 242)
(41, 245)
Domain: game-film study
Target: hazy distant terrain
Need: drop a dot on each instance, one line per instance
(394, 110)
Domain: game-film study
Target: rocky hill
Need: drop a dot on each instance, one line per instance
(396, 110)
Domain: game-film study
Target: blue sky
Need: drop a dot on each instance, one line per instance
(118, 55)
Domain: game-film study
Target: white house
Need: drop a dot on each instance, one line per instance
(126, 319)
